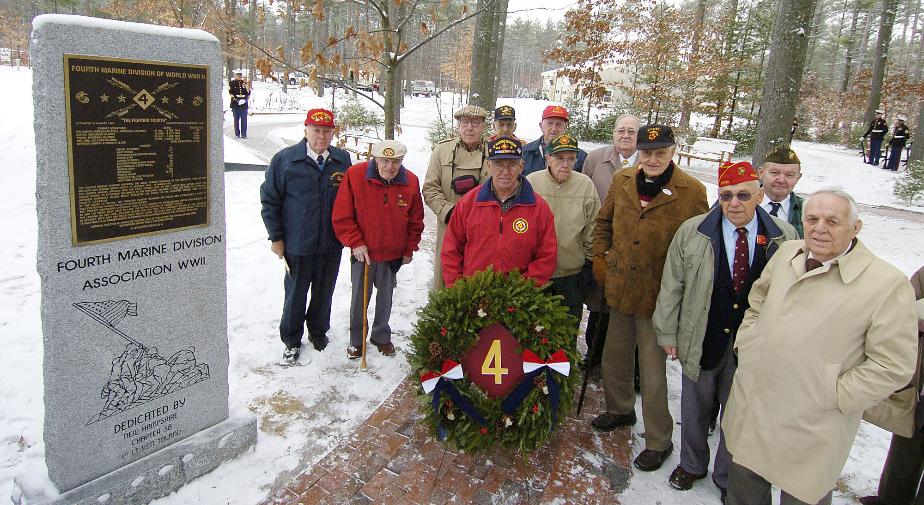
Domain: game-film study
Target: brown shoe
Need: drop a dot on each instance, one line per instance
(650, 460)
(354, 352)
(387, 349)
(682, 479)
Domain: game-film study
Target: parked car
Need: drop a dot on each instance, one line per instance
(296, 77)
(423, 88)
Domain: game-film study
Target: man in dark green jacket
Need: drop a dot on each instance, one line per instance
(778, 176)
(711, 263)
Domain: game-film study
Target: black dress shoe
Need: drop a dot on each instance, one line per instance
(608, 421)
(682, 479)
(871, 500)
(650, 460)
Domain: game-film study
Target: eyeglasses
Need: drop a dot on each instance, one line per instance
(727, 196)
(471, 122)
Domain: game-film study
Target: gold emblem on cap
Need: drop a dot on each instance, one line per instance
(653, 133)
(321, 116)
(740, 170)
(388, 152)
(792, 155)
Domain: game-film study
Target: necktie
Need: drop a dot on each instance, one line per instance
(775, 208)
(321, 162)
(740, 267)
(811, 264)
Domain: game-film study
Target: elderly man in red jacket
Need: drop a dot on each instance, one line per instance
(379, 215)
(502, 223)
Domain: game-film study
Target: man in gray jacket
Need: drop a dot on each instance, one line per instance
(711, 263)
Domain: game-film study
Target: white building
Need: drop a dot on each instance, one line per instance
(558, 88)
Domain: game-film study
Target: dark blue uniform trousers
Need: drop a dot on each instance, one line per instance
(317, 272)
(895, 156)
(875, 151)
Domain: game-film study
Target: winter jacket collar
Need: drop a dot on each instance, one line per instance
(372, 174)
(710, 226)
(849, 266)
(526, 196)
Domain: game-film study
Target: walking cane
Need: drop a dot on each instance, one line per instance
(362, 362)
(590, 352)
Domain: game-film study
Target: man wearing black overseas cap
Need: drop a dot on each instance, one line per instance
(643, 209)
(502, 223)
(505, 123)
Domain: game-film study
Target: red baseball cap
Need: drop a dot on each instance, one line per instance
(555, 111)
(320, 117)
(736, 173)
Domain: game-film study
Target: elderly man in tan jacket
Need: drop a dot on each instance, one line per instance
(456, 167)
(574, 203)
(831, 331)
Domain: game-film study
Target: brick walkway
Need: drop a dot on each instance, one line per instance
(392, 459)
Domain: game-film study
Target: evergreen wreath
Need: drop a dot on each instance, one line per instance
(447, 328)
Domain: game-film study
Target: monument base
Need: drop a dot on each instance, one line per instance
(160, 473)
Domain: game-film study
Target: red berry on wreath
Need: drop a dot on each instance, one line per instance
(484, 431)
(544, 340)
(535, 408)
(443, 331)
(511, 310)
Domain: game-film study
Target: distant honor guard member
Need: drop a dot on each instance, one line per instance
(554, 123)
(457, 166)
(634, 228)
(900, 136)
(711, 264)
(298, 199)
(779, 174)
(240, 94)
(379, 215)
(503, 224)
(574, 203)
(876, 132)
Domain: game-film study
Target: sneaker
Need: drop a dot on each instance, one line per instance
(319, 342)
(650, 460)
(290, 355)
(387, 348)
(354, 352)
(682, 479)
(608, 421)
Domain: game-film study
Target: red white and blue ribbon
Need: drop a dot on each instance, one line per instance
(533, 365)
(558, 361)
(450, 370)
(440, 382)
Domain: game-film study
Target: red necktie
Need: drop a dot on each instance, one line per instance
(811, 264)
(740, 267)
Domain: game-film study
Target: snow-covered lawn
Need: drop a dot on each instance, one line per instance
(305, 411)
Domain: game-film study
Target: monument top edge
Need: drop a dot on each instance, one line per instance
(45, 20)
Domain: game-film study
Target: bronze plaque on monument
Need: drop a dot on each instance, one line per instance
(137, 139)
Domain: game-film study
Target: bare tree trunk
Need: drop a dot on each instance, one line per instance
(864, 47)
(851, 43)
(917, 148)
(886, 20)
(909, 49)
(813, 32)
(686, 108)
(484, 66)
(501, 31)
(785, 66)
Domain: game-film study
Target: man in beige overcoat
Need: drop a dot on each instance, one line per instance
(456, 167)
(831, 331)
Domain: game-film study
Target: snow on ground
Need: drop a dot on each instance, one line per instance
(305, 411)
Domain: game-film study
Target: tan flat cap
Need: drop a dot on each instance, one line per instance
(389, 149)
(471, 111)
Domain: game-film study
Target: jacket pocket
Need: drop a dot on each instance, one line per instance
(831, 373)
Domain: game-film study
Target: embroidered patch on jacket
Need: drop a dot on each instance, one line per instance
(520, 225)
